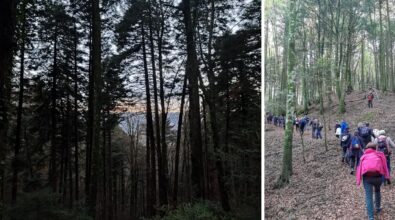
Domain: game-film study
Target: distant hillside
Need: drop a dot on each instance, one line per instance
(139, 117)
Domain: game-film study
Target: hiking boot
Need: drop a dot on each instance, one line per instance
(378, 211)
(352, 172)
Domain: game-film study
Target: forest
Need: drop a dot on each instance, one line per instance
(331, 61)
(130, 109)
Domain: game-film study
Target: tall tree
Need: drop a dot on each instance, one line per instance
(192, 73)
(96, 85)
(8, 23)
(290, 113)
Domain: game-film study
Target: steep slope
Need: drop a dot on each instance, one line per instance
(322, 187)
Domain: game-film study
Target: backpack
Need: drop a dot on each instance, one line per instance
(344, 140)
(338, 131)
(364, 132)
(370, 96)
(355, 144)
(382, 145)
(372, 163)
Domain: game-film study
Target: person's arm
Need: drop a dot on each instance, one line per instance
(384, 162)
(390, 143)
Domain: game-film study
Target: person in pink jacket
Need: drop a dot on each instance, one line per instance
(372, 168)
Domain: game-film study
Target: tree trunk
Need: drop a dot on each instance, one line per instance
(178, 141)
(390, 69)
(287, 155)
(383, 82)
(151, 187)
(96, 106)
(363, 64)
(19, 111)
(162, 184)
(53, 166)
(192, 73)
(7, 24)
(163, 112)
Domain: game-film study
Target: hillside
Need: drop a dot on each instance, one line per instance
(322, 187)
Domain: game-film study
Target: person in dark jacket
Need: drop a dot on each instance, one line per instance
(355, 151)
(366, 133)
(345, 142)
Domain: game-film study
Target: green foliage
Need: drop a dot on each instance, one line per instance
(43, 205)
(202, 210)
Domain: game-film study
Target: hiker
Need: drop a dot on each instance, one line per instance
(296, 123)
(343, 127)
(366, 134)
(269, 117)
(370, 98)
(355, 151)
(383, 145)
(282, 121)
(302, 124)
(314, 125)
(371, 169)
(345, 142)
(275, 120)
(318, 131)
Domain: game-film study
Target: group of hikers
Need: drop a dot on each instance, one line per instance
(278, 121)
(368, 152)
(301, 123)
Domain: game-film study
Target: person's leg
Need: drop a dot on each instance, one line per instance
(352, 163)
(377, 194)
(368, 197)
(312, 133)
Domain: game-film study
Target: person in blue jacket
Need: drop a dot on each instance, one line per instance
(343, 127)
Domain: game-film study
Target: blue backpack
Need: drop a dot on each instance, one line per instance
(356, 144)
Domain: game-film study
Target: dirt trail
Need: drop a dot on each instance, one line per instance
(323, 188)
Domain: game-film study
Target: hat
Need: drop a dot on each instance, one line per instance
(371, 145)
(381, 132)
(376, 132)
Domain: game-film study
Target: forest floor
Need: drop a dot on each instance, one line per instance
(322, 187)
